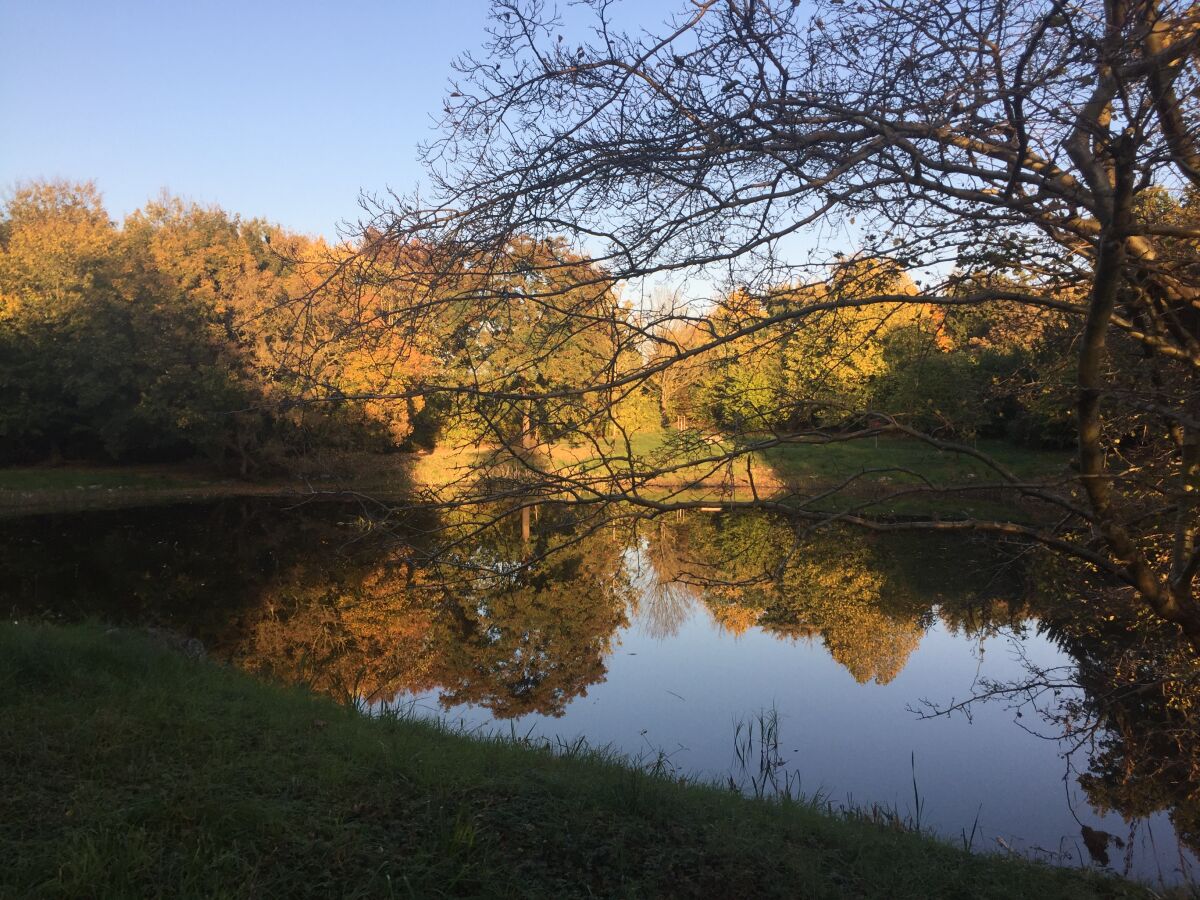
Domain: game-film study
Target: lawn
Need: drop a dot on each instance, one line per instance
(68, 478)
(793, 461)
(836, 461)
(805, 467)
(885, 465)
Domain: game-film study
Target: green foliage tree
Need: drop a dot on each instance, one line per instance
(61, 316)
(935, 390)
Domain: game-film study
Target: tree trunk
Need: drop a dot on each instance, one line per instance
(1174, 605)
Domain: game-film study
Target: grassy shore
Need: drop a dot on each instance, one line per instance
(72, 488)
(132, 771)
(876, 475)
(796, 467)
(32, 489)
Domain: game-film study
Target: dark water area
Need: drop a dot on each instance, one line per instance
(674, 640)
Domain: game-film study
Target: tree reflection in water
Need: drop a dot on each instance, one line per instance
(322, 595)
(1127, 710)
(851, 593)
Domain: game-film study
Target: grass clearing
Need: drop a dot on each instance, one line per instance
(792, 462)
(836, 461)
(68, 478)
(132, 771)
(802, 467)
(885, 466)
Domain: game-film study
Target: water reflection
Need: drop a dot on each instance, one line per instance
(867, 601)
(595, 626)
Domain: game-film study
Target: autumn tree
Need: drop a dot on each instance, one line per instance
(176, 334)
(105, 354)
(836, 588)
(678, 385)
(56, 277)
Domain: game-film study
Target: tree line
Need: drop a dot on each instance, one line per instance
(188, 332)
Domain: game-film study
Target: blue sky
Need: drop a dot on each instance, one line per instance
(284, 109)
(279, 109)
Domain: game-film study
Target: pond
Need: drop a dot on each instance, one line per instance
(675, 641)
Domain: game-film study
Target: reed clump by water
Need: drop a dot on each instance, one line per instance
(132, 770)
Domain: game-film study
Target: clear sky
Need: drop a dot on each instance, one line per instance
(279, 109)
(284, 109)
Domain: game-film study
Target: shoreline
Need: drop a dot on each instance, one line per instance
(31, 490)
(137, 769)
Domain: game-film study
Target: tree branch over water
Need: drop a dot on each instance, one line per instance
(824, 185)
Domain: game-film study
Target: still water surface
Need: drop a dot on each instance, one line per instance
(625, 639)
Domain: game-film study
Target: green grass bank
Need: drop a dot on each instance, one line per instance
(133, 771)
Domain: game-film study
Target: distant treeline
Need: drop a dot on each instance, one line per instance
(186, 332)
(960, 372)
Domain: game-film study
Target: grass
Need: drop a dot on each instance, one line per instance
(30, 489)
(132, 771)
(885, 464)
(805, 467)
(837, 461)
(43, 478)
(74, 488)
(808, 467)
(798, 462)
